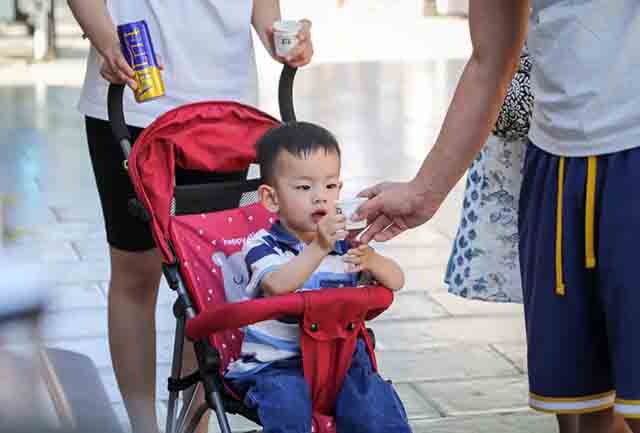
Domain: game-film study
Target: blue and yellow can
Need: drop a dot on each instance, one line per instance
(138, 50)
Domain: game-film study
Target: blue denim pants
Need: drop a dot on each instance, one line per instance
(366, 403)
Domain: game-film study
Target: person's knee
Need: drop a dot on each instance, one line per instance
(568, 423)
(135, 275)
(597, 422)
(631, 425)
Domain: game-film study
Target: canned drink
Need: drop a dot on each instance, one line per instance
(138, 50)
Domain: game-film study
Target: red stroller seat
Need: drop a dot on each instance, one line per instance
(200, 230)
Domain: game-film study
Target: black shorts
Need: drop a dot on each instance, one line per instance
(125, 231)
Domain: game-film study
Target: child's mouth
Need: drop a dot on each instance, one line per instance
(318, 215)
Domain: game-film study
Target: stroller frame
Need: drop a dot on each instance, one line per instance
(347, 308)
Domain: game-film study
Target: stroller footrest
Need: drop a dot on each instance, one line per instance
(186, 382)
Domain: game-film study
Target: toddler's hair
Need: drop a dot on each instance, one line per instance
(300, 139)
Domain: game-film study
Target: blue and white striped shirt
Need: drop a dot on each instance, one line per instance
(273, 340)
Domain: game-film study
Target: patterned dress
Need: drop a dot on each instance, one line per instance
(484, 261)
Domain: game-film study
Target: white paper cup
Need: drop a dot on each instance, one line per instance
(285, 36)
(348, 207)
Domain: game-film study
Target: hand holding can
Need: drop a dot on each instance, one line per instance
(138, 50)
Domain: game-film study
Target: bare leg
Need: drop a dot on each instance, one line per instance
(133, 293)
(597, 422)
(567, 423)
(634, 425)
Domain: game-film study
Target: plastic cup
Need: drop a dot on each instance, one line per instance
(348, 207)
(285, 36)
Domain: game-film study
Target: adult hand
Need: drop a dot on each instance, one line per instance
(394, 207)
(115, 68)
(302, 53)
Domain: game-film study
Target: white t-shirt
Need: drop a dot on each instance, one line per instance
(586, 62)
(205, 47)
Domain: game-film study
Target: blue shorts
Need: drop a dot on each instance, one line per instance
(366, 403)
(579, 236)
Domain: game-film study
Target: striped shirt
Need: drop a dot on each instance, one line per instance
(274, 340)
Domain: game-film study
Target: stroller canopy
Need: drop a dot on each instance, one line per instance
(207, 136)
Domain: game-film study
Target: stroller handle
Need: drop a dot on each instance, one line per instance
(116, 118)
(285, 94)
(123, 136)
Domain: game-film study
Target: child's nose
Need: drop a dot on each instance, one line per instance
(320, 198)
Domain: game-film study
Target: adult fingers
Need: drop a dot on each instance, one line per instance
(300, 55)
(400, 223)
(121, 64)
(125, 73)
(306, 26)
(388, 233)
(107, 73)
(370, 209)
(160, 61)
(378, 225)
(301, 60)
(371, 191)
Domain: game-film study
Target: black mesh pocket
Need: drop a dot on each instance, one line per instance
(214, 197)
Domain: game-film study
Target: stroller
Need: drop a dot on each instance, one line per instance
(200, 230)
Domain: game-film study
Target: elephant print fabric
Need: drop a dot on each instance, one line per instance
(212, 264)
(234, 274)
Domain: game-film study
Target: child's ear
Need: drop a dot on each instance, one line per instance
(268, 197)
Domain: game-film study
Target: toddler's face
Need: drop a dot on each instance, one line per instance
(307, 189)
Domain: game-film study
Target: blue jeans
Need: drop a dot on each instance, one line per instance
(366, 403)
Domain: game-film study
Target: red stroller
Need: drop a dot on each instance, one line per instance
(200, 230)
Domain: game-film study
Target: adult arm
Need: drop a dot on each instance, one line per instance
(95, 21)
(498, 29)
(265, 13)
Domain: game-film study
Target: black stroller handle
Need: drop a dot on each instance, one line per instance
(285, 94)
(116, 118)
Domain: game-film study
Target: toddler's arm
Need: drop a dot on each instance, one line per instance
(95, 21)
(290, 276)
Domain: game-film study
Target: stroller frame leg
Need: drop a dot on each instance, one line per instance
(176, 369)
(174, 425)
(208, 364)
(188, 403)
(195, 419)
(223, 422)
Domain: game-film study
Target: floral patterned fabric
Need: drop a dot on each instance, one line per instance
(484, 262)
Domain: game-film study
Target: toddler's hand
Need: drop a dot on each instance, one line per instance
(359, 258)
(331, 228)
